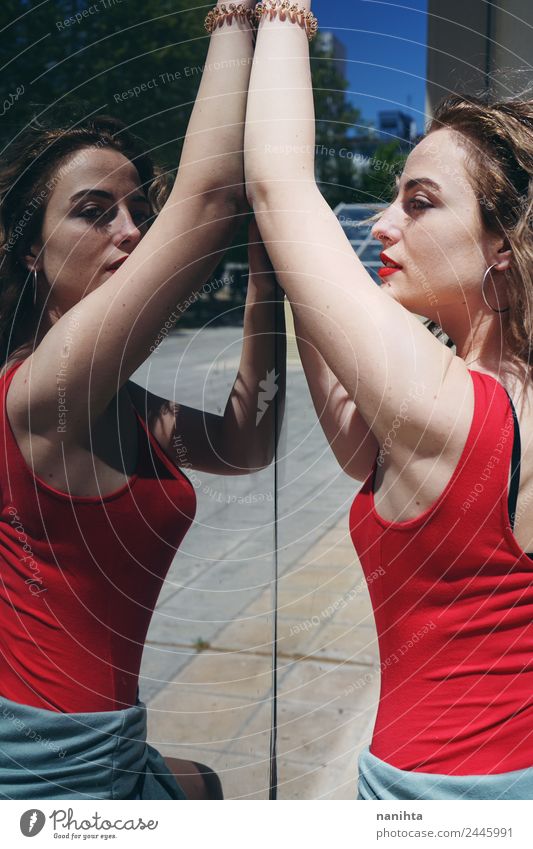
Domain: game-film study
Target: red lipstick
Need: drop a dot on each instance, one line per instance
(386, 272)
(390, 266)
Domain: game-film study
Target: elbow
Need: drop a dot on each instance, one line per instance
(258, 194)
(228, 201)
(262, 184)
(267, 193)
(247, 460)
(212, 202)
(279, 193)
(251, 467)
(238, 200)
(276, 175)
(259, 458)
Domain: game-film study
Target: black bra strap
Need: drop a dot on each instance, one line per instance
(515, 466)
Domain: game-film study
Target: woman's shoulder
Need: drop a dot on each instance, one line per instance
(10, 363)
(515, 381)
(16, 357)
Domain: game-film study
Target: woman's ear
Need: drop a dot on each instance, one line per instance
(503, 255)
(30, 259)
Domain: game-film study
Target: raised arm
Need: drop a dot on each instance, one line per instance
(118, 323)
(372, 344)
(243, 439)
(351, 440)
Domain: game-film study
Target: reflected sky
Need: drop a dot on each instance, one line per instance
(386, 52)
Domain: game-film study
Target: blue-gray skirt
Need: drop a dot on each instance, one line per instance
(380, 780)
(45, 754)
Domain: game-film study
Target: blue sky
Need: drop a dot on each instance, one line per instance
(386, 47)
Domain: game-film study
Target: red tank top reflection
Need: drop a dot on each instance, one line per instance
(452, 593)
(80, 577)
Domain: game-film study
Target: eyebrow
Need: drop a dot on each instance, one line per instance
(107, 195)
(419, 181)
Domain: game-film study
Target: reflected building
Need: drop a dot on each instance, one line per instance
(395, 125)
(478, 46)
(328, 42)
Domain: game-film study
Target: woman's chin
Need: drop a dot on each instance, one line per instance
(387, 287)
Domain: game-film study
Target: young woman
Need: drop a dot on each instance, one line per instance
(94, 503)
(431, 432)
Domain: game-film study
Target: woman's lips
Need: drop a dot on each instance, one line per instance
(390, 265)
(116, 265)
(386, 272)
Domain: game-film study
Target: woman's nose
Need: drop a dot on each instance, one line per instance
(127, 229)
(386, 229)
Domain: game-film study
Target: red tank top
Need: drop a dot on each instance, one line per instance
(452, 594)
(80, 576)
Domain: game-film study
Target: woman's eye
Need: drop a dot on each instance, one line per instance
(91, 212)
(96, 213)
(99, 215)
(419, 203)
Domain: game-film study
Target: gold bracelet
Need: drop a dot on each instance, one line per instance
(223, 12)
(302, 16)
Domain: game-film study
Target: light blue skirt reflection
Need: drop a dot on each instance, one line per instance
(45, 754)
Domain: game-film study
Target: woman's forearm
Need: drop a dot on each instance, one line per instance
(254, 411)
(280, 120)
(212, 159)
(122, 320)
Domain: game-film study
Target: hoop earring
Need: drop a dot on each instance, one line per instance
(34, 287)
(483, 290)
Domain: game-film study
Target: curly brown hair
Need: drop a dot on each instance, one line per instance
(498, 138)
(30, 169)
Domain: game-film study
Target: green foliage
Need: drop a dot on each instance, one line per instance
(140, 62)
(378, 182)
(335, 121)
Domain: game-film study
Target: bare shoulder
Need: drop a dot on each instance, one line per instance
(17, 398)
(453, 408)
(412, 475)
(12, 361)
(433, 421)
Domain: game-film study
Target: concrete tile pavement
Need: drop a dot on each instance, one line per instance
(206, 675)
(217, 708)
